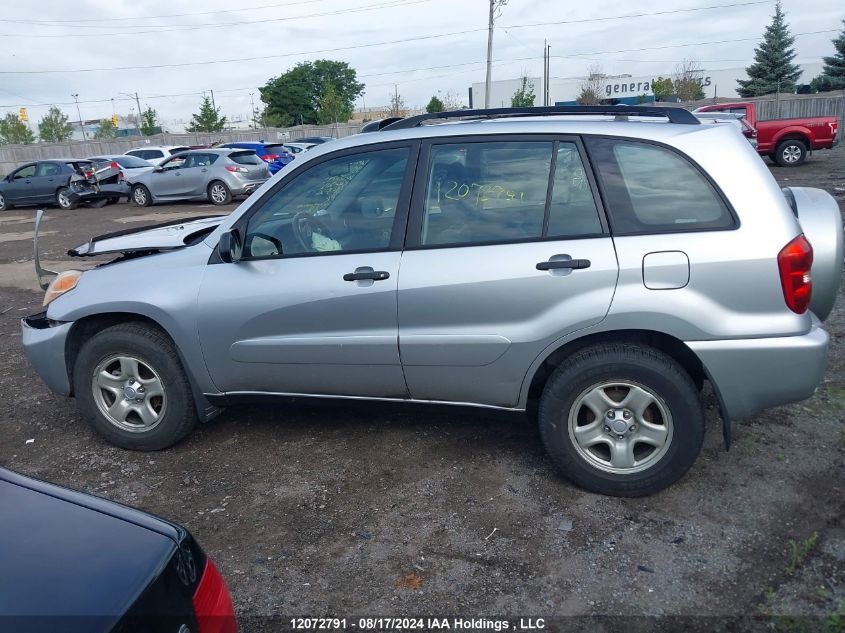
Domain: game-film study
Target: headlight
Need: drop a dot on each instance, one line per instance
(61, 284)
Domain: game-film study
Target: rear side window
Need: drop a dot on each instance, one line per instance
(48, 169)
(246, 158)
(653, 189)
(485, 192)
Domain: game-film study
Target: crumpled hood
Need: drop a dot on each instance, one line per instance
(158, 237)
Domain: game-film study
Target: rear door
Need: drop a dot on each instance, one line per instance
(49, 176)
(507, 252)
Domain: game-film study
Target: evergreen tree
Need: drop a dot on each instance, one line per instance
(772, 69)
(149, 122)
(208, 119)
(54, 126)
(833, 73)
(524, 97)
(435, 105)
(14, 131)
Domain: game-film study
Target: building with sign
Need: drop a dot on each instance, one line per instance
(720, 83)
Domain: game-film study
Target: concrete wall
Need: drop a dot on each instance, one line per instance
(13, 155)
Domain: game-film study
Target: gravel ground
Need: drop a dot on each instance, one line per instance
(358, 509)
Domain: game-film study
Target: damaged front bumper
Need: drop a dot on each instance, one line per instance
(44, 343)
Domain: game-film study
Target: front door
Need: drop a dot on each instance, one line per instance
(19, 190)
(167, 182)
(311, 307)
(507, 254)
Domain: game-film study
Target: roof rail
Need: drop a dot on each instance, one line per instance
(675, 115)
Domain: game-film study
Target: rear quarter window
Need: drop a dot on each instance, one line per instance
(652, 189)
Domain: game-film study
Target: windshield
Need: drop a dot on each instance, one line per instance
(131, 162)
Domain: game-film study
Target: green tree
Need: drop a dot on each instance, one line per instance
(149, 122)
(833, 73)
(54, 126)
(435, 105)
(662, 88)
(14, 131)
(524, 96)
(107, 129)
(208, 119)
(332, 108)
(294, 96)
(772, 69)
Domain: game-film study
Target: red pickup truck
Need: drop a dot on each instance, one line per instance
(788, 142)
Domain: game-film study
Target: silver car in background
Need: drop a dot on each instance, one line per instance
(216, 175)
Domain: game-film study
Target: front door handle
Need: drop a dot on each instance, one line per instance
(375, 275)
(558, 264)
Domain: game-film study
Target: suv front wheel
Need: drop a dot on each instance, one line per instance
(130, 385)
(621, 419)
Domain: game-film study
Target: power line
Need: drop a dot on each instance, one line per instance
(388, 4)
(376, 44)
(321, 51)
(156, 17)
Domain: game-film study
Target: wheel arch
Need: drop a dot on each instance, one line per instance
(666, 343)
(793, 134)
(85, 327)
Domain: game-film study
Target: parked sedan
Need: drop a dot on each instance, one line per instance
(48, 182)
(156, 154)
(216, 175)
(316, 140)
(298, 148)
(78, 563)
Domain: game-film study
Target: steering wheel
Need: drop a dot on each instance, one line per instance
(304, 225)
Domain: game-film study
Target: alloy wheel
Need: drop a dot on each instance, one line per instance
(792, 154)
(620, 427)
(129, 393)
(218, 193)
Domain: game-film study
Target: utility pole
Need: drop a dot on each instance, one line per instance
(252, 112)
(138, 118)
(489, 55)
(213, 105)
(546, 74)
(81, 126)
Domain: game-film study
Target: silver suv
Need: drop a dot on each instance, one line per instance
(601, 262)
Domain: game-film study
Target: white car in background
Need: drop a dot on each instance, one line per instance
(156, 154)
(128, 164)
(298, 148)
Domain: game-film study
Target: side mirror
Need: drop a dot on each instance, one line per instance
(230, 247)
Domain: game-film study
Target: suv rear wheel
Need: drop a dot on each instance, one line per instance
(130, 385)
(621, 419)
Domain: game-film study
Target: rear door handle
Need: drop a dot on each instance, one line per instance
(375, 275)
(558, 264)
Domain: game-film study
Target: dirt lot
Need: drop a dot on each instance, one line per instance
(384, 510)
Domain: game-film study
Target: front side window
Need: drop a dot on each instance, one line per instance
(340, 205)
(25, 172)
(653, 189)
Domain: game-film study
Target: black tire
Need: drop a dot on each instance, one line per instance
(218, 200)
(790, 153)
(62, 200)
(629, 363)
(154, 350)
(141, 196)
(4, 203)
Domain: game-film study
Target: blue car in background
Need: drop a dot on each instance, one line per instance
(274, 154)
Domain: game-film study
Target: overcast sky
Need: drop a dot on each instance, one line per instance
(424, 46)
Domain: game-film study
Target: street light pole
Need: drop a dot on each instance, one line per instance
(79, 113)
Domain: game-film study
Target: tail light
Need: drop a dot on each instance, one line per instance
(834, 126)
(213, 604)
(794, 262)
(235, 169)
(270, 158)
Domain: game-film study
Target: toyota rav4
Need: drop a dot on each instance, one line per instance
(603, 262)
